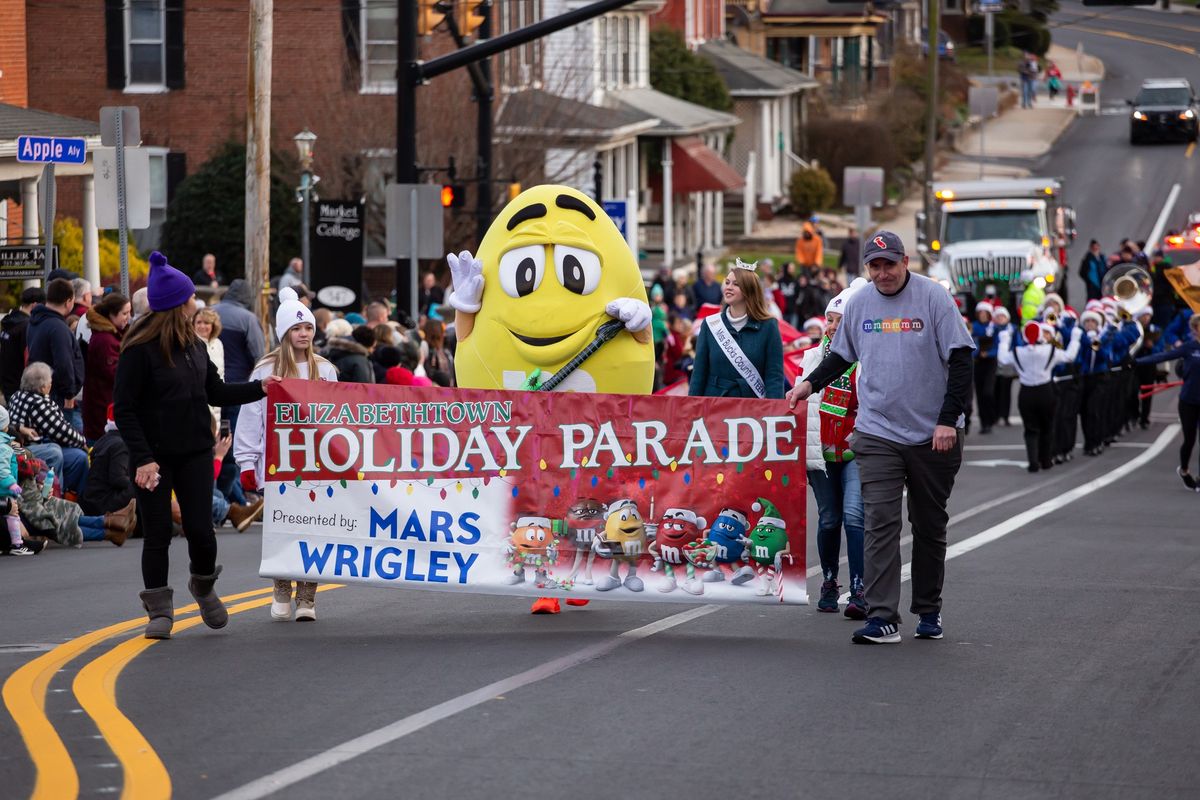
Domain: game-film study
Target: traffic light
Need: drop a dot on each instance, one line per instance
(453, 195)
(514, 189)
(428, 16)
(470, 14)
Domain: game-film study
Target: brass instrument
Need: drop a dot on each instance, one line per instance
(1051, 318)
(1132, 287)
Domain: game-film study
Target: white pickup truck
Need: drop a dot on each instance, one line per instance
(1007, 233)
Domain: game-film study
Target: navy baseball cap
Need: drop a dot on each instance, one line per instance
(884, 244)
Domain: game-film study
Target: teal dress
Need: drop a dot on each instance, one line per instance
(714, 376)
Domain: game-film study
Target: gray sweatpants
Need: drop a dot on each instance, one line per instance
(885, 468)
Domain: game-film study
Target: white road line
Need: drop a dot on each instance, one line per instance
(972, 511)
(1156, 233)
(971, 447)
(1050, 506)
(289, 776)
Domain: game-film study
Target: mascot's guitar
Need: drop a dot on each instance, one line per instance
(605, 333)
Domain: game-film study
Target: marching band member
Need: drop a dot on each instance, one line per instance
(1152, 344)
(1005, 373)
(1035, 363)
(983, 331)
(1093, 361)
(1189, 396)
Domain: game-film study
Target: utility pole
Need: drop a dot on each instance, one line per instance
(406, 128)
(258, 154)
(483, 131)
(931, 59)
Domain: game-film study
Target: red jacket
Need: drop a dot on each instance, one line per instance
(99, 371)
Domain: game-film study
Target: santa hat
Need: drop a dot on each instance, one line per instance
(985, 306)
(1093, 305)
(814, 321)
(838, 303)
(1092, 315)
(683, 515)
(291, 313)
(1070, 312)
(533, 522)
(770, 514)
(1001, 311)
(1032, 332)
(736, 516)
(1146, 311)
(1053, 298)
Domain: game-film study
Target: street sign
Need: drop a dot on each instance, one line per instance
(862, 186)
(21, 262)
(131, 125)
(983, 101)
(137, 182)
(991, 6)
(425, 227)
(337, 254)
(618, 212)
(51, 150)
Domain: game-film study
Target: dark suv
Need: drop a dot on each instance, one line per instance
(1164, 108)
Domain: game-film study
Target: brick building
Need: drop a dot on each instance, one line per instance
(184, 65)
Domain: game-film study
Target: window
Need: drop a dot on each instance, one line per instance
(378, 57)
(145, 45)
(619, 43)
(520, 67)
(151, 237)
(379, 167)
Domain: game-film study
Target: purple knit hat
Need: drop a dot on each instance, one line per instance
(167, 287)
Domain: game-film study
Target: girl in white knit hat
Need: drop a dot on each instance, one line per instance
(294, 358)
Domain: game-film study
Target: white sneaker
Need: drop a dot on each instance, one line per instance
(281, 601)
(305, 611)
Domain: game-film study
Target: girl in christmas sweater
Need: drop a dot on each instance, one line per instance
(832, 470)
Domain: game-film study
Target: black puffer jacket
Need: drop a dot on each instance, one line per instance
(161, 409)
(352, 361)
(109, 485)
(13, 330)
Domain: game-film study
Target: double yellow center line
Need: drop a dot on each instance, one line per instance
(145, 775)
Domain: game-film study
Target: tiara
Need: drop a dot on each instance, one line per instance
(739, 264)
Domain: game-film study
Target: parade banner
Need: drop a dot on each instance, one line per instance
(535, 493)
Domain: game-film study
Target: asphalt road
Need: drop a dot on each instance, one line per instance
(1068, 669)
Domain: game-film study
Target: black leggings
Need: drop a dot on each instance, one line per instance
(1189, 415)
(191, 478)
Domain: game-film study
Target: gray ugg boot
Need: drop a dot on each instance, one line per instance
(160, 606)
(212, 610)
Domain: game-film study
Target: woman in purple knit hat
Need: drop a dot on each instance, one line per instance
(164, 386)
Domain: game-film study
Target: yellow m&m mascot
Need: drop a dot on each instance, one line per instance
(550, 271)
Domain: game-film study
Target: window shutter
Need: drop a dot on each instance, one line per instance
(114, 42)
(352, 33)
(176, 172)
(174, 43)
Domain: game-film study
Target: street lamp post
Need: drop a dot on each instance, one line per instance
(304, 146)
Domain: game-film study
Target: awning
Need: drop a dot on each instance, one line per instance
(698, 168)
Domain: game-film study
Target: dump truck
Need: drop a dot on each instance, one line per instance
(1007, 233)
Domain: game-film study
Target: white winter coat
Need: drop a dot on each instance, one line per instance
(216, 354)
(250, 440)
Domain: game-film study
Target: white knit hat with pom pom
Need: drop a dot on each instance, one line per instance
(291, 313)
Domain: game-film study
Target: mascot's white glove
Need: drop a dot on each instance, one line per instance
(634, 313)
(1076, 333)
(466, 271)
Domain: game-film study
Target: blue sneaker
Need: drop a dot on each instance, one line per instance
(829, 597)
(877, 631)
(930, 626)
